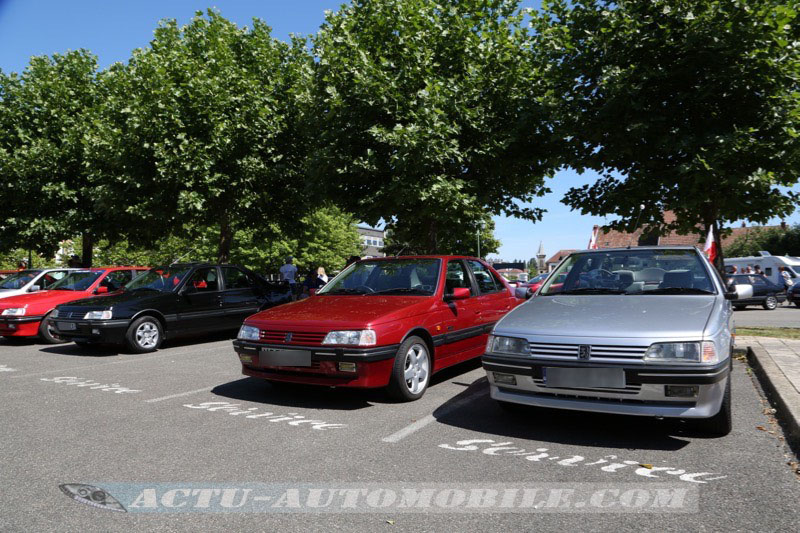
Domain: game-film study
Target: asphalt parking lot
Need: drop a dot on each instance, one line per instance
(783, 317)
(185, 417)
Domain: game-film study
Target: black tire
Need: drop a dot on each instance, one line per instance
(144, 335)
(770, 303)
(47, 333)
(797, 303)
(739, 307)
(721, 423)
(405, 362)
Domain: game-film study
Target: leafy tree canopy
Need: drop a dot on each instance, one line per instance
(776, 241)
(460, 237)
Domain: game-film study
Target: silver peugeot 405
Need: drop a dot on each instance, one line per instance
(638, 331)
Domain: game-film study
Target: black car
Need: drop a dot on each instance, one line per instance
(765, 293)
(175, 300)
(793, 293)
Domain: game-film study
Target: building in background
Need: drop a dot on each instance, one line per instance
(541, 264)
(553, 262)
(372, 241)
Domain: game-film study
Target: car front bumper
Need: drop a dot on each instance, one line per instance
(20, 326)
(373, 366)
(97, 331)
(644, 393)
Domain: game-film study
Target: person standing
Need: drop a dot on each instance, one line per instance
(74, 262)
(288, 273)
(788, 282)
(321, 276)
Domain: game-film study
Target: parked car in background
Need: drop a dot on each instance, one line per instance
(384, 322)
(793, 294)
(644, 331)
(31, 280)
(170, 301)
(769, 264)
(28, 315)
(765, 293)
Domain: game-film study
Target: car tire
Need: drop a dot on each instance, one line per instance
(47, 332)
(739, 307)
(770, 303)
(144, 335)
(411, 372)
(721, 423)
(797, 303)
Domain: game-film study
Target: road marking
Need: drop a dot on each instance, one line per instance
(133, 359)
(180, 394)
(5, 368)
(422, 422)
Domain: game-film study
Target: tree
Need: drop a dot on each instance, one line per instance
(202, 130)
(776, 241)
(688, 106)
(461, 237)
(429, 116)
(45, 190)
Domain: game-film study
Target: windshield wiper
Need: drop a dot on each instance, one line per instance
(403, 290)
(145, 289)
(592, 290)
(677, 290)
(346, 291)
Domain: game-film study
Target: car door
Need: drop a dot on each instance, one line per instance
(460, 318)
(114, 280)
(200, 302)
(493, 296)
(240, 295)
(760, 288)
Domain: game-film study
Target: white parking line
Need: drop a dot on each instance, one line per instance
(133, 359)
(422, 422)
(180, 394)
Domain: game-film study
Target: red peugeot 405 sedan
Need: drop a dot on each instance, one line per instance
(388, 322)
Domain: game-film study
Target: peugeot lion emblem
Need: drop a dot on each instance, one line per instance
(584, 351)
(288, 337)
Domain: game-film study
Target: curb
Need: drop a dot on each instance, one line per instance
(780, 392)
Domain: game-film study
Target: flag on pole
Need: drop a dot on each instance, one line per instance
(710, 248)
(593, 238)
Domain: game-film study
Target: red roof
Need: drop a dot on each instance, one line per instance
(559, 255)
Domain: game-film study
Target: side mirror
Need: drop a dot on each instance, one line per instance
(459, 293)
(35, 288)
(522, 293)
(101, 290)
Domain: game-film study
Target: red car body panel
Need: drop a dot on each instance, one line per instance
(456, 330)
(39, 304)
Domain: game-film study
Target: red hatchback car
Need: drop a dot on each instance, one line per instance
(391, 321)
(26, 315)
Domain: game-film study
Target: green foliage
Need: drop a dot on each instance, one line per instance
(687, 106)
(45, 192)
(459, 237)
(10, 260)
(202, 128)
(429, 115)
(773, 240)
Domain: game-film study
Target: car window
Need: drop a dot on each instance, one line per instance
(757, 280)
(19, 279)
(116, 280)
(50, 278)
(418, 276)
(79, 280)
(162, 279)
(487, 282)
(236, 279)
(457, 277)
(204, 280)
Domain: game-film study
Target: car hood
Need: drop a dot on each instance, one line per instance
(115, 298)
(41, 302)
(349, 311)
(619, 316)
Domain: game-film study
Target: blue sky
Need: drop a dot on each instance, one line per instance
(112, 29)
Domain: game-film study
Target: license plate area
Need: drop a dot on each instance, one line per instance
(584, 378)
(66, 326)
(278, 357)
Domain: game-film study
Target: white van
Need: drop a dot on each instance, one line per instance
(769, 265)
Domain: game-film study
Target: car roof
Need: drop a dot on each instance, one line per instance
(432, 256)
(637, 248)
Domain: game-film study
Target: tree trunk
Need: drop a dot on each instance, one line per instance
(225, 238)
(88, 245)
(433, 238)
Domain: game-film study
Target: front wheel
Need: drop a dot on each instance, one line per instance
(48, 333)
(144, 335)
(411, 372)
(721, 423)
(770, 303)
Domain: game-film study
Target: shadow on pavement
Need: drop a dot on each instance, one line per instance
(484, 415)
(98, 350)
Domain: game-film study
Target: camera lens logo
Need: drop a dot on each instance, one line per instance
(94, 496)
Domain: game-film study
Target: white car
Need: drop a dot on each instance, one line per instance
(31, 280)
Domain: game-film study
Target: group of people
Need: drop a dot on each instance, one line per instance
(749, 269)
(316, 278)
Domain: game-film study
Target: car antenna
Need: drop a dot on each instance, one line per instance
(184, 255)
(641, 210)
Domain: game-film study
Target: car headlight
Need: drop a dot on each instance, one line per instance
(249, 333)
(511, 345)
(682, 352)
(98, 315)
(364, 337)
(14, 311)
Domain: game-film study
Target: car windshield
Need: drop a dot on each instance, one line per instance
(77, 281)
(19, 279)
(163, 279)
(647, 271)
(417, 277)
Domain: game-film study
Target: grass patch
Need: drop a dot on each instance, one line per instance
(782, 333)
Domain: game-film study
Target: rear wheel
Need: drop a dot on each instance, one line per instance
(739, 307)
(144, 335)
(770, 303)
(721, 423)
(411, 372)
(48, 333)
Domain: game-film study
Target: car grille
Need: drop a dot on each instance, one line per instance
(297, 337)
(72, 314)
(569, 352)
(630, 388)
